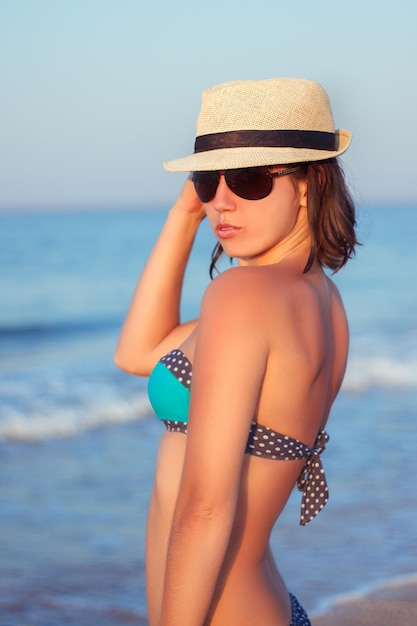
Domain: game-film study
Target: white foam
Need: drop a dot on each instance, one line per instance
(380, 371)
(59, 422)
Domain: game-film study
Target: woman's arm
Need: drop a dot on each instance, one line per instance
(229, 365)
(152, 325)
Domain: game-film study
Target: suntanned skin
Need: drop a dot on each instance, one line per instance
(270, 344)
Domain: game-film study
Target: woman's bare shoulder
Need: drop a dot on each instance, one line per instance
(278, 305)
(248, 280)
(239, 288)
(243, 298)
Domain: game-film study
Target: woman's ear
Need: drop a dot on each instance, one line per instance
(303, 188)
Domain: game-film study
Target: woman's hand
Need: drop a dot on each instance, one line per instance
(188, 200)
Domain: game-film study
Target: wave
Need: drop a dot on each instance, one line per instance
(385, 372)
(401, 587)
(52, 403)
(51, 330)
(71, 421)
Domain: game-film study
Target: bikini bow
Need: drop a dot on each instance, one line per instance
(312, 482)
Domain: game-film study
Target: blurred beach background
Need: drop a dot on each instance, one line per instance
(95, 95)
(78, 440)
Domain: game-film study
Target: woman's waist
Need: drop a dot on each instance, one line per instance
(251, 591)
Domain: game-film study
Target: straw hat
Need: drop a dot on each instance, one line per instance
(266, 122)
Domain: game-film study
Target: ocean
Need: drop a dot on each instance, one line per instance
(78, 439)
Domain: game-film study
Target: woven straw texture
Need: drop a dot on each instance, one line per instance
(274, 104)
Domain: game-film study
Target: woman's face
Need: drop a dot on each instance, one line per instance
(253, 230)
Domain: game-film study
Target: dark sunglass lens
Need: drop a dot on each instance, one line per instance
(249, 183)
(205, 184)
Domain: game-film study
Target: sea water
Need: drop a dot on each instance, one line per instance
(78, 440)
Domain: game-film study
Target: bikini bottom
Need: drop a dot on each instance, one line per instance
(298, 616)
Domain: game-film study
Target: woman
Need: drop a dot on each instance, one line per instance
(266, 357)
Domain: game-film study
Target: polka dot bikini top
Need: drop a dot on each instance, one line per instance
(169, 393)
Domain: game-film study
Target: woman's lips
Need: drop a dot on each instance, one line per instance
(225, 231)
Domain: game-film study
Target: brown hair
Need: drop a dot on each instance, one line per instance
(331, 216)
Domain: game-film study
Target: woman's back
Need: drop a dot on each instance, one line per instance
(304, 336)
(301, 326)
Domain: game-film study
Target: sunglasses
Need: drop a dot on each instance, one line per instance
(250, 183)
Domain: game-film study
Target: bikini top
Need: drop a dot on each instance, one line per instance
(169, 393)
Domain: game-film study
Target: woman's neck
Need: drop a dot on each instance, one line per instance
(296, 245)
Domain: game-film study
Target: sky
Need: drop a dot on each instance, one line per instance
(96, 94)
